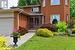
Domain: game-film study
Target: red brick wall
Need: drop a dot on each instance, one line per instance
(66, 11)
(23, 21)
(27, 9)
(54, 9)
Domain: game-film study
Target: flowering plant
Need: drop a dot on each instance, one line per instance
(3, 41)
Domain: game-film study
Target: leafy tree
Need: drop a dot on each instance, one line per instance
(28, 2)
(72, 8)
(21, 2)
(34, 2)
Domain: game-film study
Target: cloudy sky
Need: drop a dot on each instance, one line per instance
(12, 3)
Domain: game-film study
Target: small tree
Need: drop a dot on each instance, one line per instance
(62, 26)
(72, 8)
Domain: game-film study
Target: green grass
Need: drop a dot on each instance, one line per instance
(52, 43)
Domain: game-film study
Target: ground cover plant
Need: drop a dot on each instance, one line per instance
(44, 32)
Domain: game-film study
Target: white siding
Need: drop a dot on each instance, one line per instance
(6, 14)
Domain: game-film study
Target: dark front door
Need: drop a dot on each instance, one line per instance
(35, 22)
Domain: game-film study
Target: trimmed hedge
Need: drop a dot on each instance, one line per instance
(44, 32)
(49, 26)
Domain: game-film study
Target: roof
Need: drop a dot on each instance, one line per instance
(13, 10)
(30, 6)
(19, 11)
(31, 14)
(8, 10)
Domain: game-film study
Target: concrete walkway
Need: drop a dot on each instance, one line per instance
(21, 40)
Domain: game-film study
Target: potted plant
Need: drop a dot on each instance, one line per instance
(15, 36)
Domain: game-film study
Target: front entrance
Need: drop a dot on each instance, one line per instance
(35, 22)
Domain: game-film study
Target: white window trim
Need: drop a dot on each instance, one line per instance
(66, 2)
(52, 19)
(55, 4)
(4, 4)
(35, 9)
(44, 3)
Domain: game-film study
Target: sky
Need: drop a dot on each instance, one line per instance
(12, 3)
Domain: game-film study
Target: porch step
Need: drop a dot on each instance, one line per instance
(31, 30)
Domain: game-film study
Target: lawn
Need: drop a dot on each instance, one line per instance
(51, 43)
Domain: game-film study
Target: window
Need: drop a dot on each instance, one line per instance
(66, 2)
(43, 3)
(55, 2)
(35, 9)
(55, 16)
(4, 4)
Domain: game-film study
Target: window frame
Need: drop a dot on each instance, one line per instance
(4, 4)
(44, 3)
(66, 2)
(51, 17)
(54, 3)
(33, 9)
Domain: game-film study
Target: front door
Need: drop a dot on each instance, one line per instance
(35, 22)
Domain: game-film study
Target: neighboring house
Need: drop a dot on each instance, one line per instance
(33, 16)
(3, 3)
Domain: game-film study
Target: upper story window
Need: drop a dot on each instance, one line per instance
(44, 3)
(55, 2)
(66, 2)
(35, 9)
(4, 4)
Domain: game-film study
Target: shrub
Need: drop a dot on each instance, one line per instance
(44, 32)
(5, 48)
(3, 41)
(22, 31)
(49, 26)
(62, 26)
(15, 34)
(73, 29)
(70, 24)
(56, 33)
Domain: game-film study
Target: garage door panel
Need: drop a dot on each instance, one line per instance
(6, 26)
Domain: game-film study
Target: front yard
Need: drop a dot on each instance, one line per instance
(52, 43)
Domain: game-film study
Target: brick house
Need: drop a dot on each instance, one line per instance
(47, 11)
(33, 16)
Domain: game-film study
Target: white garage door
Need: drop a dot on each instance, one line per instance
(6, 26)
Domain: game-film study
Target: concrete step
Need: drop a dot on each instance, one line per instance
(31, 30)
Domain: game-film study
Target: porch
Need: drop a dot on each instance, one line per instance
(35, 21)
